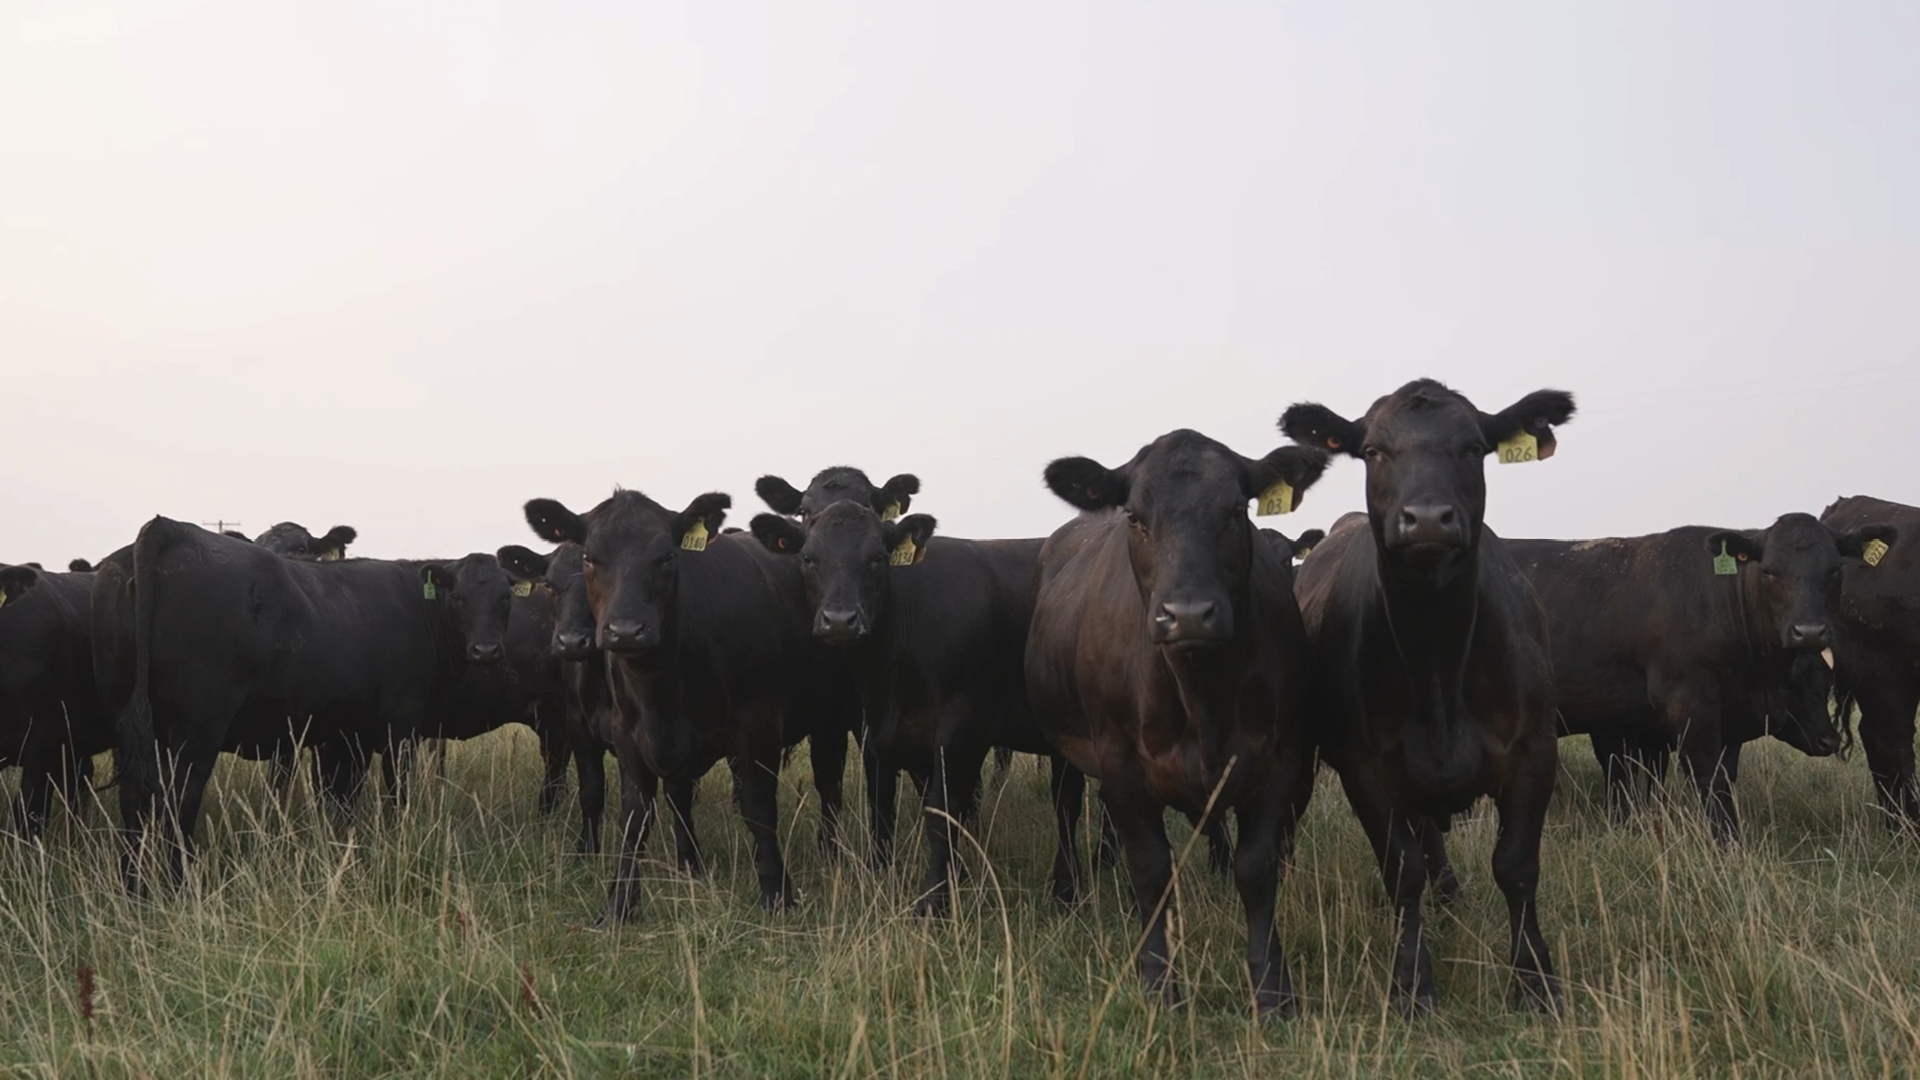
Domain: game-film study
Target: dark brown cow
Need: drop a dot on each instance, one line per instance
(1878, 655)
(1168, 660)
(1434, 685)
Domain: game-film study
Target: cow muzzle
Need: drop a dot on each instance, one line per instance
(485, 654)
(1421, 527)
(572, 644)
(628, 636)
(1187, 622)
(839, 626)
(1810, 636)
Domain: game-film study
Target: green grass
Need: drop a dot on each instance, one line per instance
(459, 940)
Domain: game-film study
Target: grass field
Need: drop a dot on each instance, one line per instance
(459, 940)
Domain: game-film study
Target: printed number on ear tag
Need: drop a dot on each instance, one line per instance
(904, 554)
(1277, 499)
(696, 538)
(892, 512)
(1725, 564)
(523, 588)
(1521, 447)
(1875, 551)
(427, 590)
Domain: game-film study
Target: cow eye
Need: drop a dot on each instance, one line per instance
(1373, 453)
(1474, 450)
(1133, 519)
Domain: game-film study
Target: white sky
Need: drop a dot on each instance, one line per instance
(340, 263)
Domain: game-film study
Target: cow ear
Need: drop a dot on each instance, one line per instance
(552, 521)
(236, 534)
(702, 518)
(1299, 467)
(907, 538)
(435, 578)
(780, 535)
(895, 496)
(334, 545)
(1746, 545)
(79, 566)
(1313, 424)
(1853, 545)
(780, 496)
(522, 564)
(1535, 415)
(1307, 542)
(15, 580)
(1086, 483)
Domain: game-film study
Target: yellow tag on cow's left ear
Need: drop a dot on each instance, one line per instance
(696, 537)
(1874, 552)
(892, 512)
(1521, 447)
(523, 588)
(1302, 554)
(905, 553)
(1277, 499)
(3, 598)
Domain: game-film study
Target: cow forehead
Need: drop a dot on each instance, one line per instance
(1801, 538)
(844, 520)
(627, 518)
(1185, 469)
(1417, 411)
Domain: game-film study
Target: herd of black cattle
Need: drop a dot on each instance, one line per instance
(1158, 642)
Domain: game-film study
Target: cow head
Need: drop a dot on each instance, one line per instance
(1290, 549)
(295, 542)
(79, 566)
(1798, 588)
(478, 592)
(1191, 542)
(844, 551)
(15, 581)
(1426, 447)
(562, 578)
(631, 547)
(841, 482)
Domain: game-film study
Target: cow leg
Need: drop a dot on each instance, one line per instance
(686, 846)
(956, 778)
(1069, 790)
(827, 750)
(1610, 750)
(1522, 804)
(1887, 700)
(883, 787)
(1704, 760)
(1692, 713)
(553, 755)
(40, 769)
(1440, 873)
(637, 787)
(1256, 874)
(1396, 840)
(1143, 839)
(756, 780)
(590, 762)
(1002, 764)
(193, 761)
(1219, 843)
(1106, 854)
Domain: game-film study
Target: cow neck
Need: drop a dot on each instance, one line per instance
(1432, 629)
(1206, 680)
(1748, 609)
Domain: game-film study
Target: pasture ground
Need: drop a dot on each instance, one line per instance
(459, 940)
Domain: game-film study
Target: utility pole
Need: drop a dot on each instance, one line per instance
(220, 526)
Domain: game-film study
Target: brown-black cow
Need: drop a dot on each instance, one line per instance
(1878, 655)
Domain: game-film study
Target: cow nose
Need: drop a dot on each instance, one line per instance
(1810, 636)
(839, 624)
(1433, 523)
(484, 654)
(624, 633)
(571, 643)
(1181, 619)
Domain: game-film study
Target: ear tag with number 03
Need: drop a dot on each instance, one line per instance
(523, 588)
(1277, 499)
(1874, 552)
(427, 591)
(695, 538)
(1521, 447)
(1725, 564)
(892, 512)
(904, 553)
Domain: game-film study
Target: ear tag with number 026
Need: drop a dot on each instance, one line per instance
(1521, 447)
(695, 538)
(1725, 564)
(892, 512)
(523, 588)
(1871, 555)
(427, 590)
(1277, 499)
(904, 553)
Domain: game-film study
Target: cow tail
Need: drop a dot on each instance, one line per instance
(1844, 701)
(136, 761)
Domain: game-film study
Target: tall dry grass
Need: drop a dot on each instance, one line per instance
(458, 939)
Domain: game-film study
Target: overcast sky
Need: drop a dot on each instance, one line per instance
(405, 269)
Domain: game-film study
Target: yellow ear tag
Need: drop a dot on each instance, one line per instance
(696, 537)
(1302, 554)
(1724, 564)
(427, 591)
(891, 513)
(1875, 551)
(903, 555)
(3, 598)
(523, 588)
(1522, 447)
(1277, 499)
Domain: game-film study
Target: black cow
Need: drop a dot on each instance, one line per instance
(51, 720)
(235, 646)
(1878, 655)
(295, 542)
(1167, 659)
(1662, 640)
(708, 658)
(831, 485)
(1435, 684)
(936, 631)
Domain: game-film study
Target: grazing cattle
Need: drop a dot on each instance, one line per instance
(1435, 686)
(1878, 655)
(708, 658)
(235, 646)
(935, 629)
(1660, 640)
(1168, 660)
(51, 720)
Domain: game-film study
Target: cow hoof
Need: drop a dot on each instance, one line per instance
(1416, 1005)
(1447, 889)
(1279, 1010)
(776, 902)
(1539, 993)
(931, 906)
(1066, 894)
